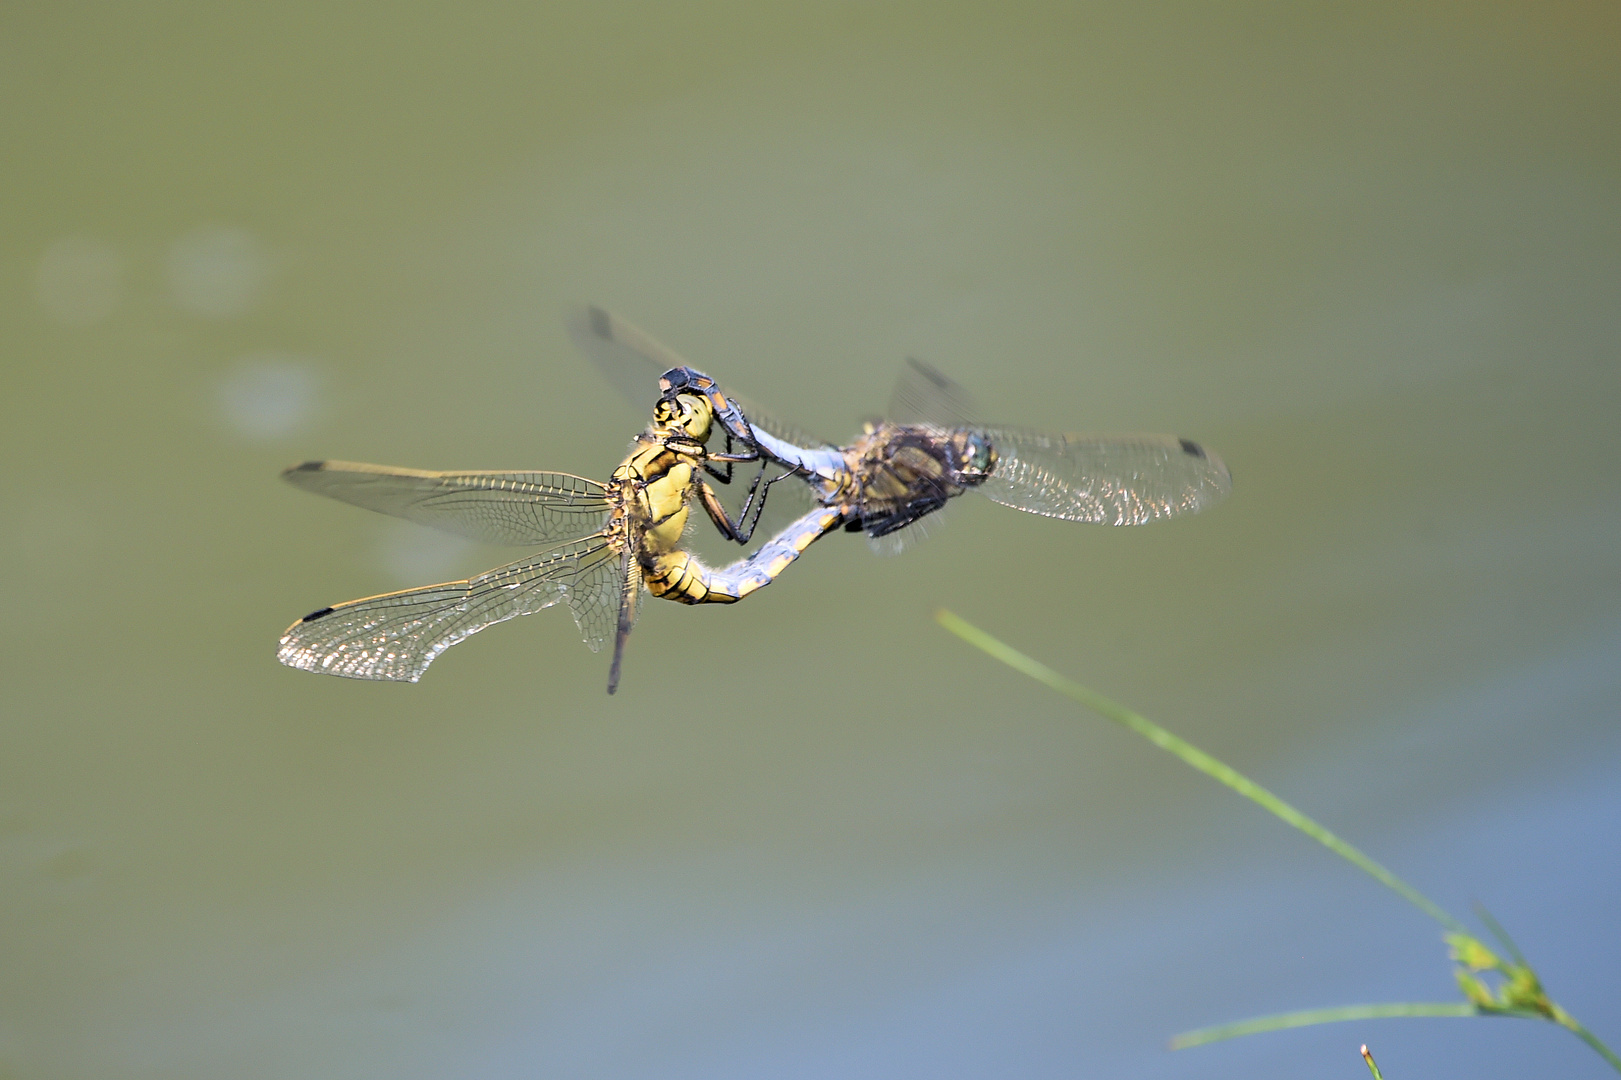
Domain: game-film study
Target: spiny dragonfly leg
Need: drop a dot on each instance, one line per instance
(748, 517)
(759, 506)
(752, 454)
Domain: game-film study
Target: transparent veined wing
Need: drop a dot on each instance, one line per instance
(533, 508)
(397, 635)
(924, 394)
(632, 361)
(629, 359)
(594, 595)
(1107, 480)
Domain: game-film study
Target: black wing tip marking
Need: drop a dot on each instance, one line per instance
(1193, 449)
(312, 616)
(599, 321)
(931, 373)
(304, 466)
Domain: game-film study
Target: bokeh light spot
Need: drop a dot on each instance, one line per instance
(417, 555)
(269, 395)
(217, 272)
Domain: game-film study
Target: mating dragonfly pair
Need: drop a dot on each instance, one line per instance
(603, 543)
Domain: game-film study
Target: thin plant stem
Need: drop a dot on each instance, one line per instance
(1373, 1066)
(1499, 933)
(1484, 1005)
(1308, 1017)
(1569, 1022)
(1197, 758)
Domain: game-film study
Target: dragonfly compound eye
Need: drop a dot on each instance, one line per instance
(977, 457)
(695, 415)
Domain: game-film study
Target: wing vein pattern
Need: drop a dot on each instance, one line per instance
(397, 635)
(632, 360)
(516, 508)
(1104, 480)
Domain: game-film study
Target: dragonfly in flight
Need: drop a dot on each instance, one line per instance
(601, 545)
(929, 450)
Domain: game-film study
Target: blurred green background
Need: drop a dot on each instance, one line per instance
(1371, 254)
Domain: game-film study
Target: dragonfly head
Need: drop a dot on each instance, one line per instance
(688, 415)
(702, 396)
(684, 405)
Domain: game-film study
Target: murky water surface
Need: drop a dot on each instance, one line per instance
(1371, 257)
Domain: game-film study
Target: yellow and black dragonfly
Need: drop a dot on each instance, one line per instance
(600, 545)
(928, 450)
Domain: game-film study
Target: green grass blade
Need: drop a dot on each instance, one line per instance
(1373, 1066)
(1499, 933)
(1259, 795)
(1198, 759)
(1592, 1040)
(1309, 1017)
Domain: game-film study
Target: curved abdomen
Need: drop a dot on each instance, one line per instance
(681, 577)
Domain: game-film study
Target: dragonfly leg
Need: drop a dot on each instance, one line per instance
(717, 513)
(748, 517)
(728, 457)
(756, 498)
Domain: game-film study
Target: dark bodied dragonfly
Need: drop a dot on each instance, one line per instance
(602, 543)
(928, 450)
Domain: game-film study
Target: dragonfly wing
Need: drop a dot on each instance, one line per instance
(628, 358)
(1108, 480)
(594, 589)
(925, 395)
(632, 361)
(495, 507)
(397, 635)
